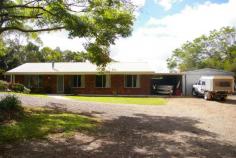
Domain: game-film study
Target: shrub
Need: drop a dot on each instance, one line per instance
(10, 108)
(17, 87)
(3, 85)
(26, 90)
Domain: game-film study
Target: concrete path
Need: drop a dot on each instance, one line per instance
(61, 97)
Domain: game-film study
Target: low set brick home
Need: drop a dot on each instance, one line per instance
(119, 78)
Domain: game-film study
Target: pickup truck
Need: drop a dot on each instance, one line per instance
(214, 87)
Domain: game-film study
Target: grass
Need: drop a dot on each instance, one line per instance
(31, 94)
(123, 100)
(39, 123)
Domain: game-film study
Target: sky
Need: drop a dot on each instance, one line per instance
(160, 27)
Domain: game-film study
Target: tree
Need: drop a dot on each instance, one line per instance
(50, 55)
(99, 21)
(13, 54)
(70, 56)
(217, 50)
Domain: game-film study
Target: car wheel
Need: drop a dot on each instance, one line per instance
(207, 96)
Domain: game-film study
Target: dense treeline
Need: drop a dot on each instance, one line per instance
(216, 50)
(12, 54)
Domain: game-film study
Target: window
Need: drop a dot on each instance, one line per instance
(34, 81)
(102, 81)
(77, 81)
(199, 82)
(132, 81)
(203, 83)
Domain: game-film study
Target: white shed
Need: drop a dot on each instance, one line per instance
(192, 77)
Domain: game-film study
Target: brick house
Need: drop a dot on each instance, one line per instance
(83, 78)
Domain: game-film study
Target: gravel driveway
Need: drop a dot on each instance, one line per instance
(185, 127)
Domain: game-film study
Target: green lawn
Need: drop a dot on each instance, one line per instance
(33, 95)
(123, 100)
(39, 123)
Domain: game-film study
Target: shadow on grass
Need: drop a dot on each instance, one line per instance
(139, 136)
(38, 123)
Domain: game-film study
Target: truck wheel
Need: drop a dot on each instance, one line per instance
(194, 92)
(207, 96)
(223, 98)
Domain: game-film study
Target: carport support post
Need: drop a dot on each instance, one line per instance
(184, 85)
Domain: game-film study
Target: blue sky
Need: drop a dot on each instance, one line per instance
(152, 9)
(160, 27)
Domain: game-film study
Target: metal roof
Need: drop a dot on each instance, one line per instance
(217, 77)
(210, 71)
(82, 68)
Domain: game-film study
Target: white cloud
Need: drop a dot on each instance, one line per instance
(167, 4)
(155, 41)
(60, 39)
(138, 3)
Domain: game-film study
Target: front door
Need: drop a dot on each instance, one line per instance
(60, 84)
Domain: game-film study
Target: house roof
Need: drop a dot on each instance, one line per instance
(82, 68)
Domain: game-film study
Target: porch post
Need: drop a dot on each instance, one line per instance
(11, 79)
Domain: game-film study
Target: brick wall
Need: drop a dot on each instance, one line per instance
(19, 79)
(117, 85)
(50, 83)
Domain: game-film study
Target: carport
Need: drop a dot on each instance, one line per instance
(167, 81)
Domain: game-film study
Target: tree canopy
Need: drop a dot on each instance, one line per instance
(13, 54)
(216, 50)
(101, 22)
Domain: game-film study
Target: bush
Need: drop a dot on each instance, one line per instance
(3, 85)
(17, 87)
(10, 108)
(26, 90)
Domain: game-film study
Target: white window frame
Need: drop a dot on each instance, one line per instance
(137, 81)
(29, 81)
(82, 79)
(107, 83)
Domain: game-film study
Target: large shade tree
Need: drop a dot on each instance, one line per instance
(99, 21)
(216, 50)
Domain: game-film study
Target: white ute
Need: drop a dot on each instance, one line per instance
(214, 87)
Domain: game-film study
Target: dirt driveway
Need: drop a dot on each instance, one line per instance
(186, 127)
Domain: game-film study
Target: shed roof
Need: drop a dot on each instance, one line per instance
(82, 68)
(209, 71)
(217, 77)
